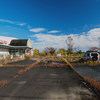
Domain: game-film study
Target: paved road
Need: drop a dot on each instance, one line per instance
(22, 62)
(45, 83)
(88, 71)
(7, 73)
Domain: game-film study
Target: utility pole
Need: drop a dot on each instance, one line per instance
(99, 44)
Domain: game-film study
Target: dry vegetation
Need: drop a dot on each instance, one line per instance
(3, 82)
(91, 63)
(68, 63)
(94, 84)
(27, 68)
(9, 60)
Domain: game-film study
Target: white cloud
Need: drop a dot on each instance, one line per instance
(28, 26)
(37, 30)
(54, 31)
(85, 26)
(21, 24)
(11, 22)
(13, 27)
(97, 25)
(83, 40)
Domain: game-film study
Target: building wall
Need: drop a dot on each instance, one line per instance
(4, 51)
(29, 44)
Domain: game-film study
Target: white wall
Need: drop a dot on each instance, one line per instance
(4, 51)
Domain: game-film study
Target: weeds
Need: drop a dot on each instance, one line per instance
(93, 83)
(3, 82)
(27, 56)
(27, 68)
(68, 63)
(91, 63)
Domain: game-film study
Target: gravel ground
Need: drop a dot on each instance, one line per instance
(50, 63)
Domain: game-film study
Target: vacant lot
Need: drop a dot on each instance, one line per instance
(46, 83)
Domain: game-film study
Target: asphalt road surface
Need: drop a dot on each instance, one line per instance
(88, 71)
(22, 62)
(45, 83)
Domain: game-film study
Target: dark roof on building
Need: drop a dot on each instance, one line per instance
(20, 42)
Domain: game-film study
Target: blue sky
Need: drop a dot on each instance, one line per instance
(50, 22)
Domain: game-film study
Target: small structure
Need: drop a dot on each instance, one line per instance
(16, 47)
(58, 54)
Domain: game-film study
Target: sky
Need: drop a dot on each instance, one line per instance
(48, 23)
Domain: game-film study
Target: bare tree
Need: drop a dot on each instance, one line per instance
(93, 49)
(50, 50)
(70, 44)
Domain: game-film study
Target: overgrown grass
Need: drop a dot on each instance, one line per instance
(94, 84)
(27, 56)
(68, 63)
(3, 82)
(27, 68)
(91, 63)
(9, 60)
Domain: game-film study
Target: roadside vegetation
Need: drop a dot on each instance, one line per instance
(3, 82)
(8, 59)
(93, 84)
(27, 68)
(91, 63)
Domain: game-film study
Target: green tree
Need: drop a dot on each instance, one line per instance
(62, 51)
(42, 52)
(36, 52)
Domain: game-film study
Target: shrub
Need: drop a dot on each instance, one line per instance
(27, 56)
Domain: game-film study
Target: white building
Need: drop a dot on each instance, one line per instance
(14, 46)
